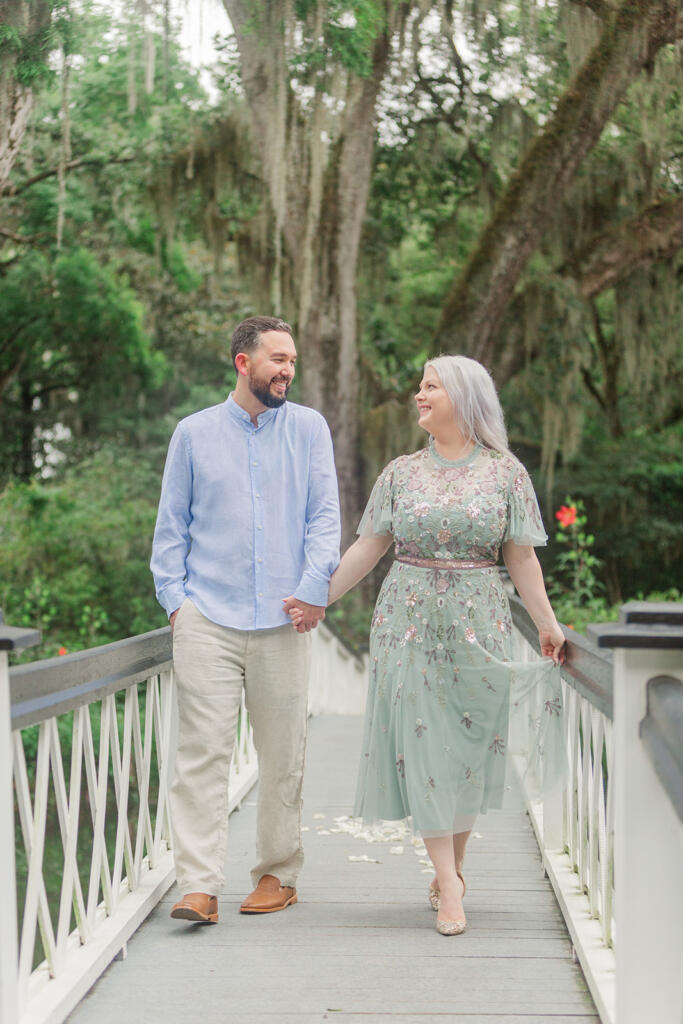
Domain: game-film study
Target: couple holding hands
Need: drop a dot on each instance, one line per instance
(248, 514)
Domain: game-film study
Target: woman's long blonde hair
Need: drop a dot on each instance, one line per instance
(475, 401)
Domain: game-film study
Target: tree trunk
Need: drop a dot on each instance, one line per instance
(25, 466)
(16, 100)
(327, 326)
(319, 201)
(475, 307)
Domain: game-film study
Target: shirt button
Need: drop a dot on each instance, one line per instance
(260, 595)
(259, 559)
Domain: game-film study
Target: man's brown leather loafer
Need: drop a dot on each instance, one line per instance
(268, 896)
(196, 906)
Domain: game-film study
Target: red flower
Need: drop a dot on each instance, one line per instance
(566, 515)
(62, 650)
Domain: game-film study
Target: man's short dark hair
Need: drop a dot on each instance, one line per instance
(247, 335)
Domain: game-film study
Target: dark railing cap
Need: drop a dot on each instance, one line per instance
(643, 624)
(54, 686)
(656, 613)
(15, 638)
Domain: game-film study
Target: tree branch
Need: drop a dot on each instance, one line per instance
(23, 239)
(601, 8)
(7, 376)
(592, 388)
(453, 118)
(475, 307)
(654, 235)
(15, 190)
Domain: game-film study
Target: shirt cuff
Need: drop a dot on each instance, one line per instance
(171, 597)
(313, 591)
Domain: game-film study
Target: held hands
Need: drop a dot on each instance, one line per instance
(305, 617)
(551, 639)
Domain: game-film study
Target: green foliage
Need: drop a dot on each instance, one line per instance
(349, 32)
(74, 558)
(10, 39)
(186, 278)
(630, 486)
(41, 27)
(350, 618)
(77, 353)
(579, 616)
(115, 328)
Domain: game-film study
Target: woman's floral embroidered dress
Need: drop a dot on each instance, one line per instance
(442, 678)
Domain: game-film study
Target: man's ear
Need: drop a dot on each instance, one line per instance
(242, 363)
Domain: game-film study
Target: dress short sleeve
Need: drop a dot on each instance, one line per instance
(524, 523)
(378, 515)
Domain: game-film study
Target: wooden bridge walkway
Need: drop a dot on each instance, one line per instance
(361, 945)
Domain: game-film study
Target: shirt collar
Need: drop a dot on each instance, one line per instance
(240, 414)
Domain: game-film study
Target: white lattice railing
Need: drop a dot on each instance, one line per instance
(600, 813)
(574, 825)
(105, 720)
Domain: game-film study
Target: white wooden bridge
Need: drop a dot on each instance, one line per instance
(541, 946)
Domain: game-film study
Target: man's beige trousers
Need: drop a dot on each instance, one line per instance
(212, 665)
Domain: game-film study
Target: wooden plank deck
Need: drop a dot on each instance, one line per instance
(361, 945)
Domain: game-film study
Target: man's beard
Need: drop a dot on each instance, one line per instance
(263, 393)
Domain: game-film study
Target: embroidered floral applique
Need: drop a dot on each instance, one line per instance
(554, 706)
(498, 745)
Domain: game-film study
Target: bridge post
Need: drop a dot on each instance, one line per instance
(648, 642)
(10, 639)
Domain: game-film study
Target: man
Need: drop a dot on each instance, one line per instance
(248, 516)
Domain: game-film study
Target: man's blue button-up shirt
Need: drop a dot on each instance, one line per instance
(248, 515)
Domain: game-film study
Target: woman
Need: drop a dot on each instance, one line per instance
(441, 675)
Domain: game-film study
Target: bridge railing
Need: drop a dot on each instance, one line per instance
(104, 719)
(88, 740)
(87, 745)
(611, 839)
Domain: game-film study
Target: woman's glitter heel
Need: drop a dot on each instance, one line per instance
(451, 927)
(448, 927)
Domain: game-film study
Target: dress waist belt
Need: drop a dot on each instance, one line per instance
(448, 563)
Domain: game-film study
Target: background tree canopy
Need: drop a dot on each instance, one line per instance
(497, 177)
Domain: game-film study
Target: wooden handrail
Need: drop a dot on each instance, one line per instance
(588, 668)
(43, 689)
